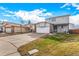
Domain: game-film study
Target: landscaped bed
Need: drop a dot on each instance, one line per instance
(53, 45)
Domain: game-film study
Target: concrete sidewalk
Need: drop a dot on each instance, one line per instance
(9, 44)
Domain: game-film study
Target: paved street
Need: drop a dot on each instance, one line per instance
(9, 44)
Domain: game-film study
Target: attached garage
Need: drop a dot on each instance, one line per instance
(17, 29)
(43, 30)
(23, 29)
(43, 27)
(8, 30)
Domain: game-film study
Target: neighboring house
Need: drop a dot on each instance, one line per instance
(1, 27)
(14, 28)
(58, 24)
(31, 27)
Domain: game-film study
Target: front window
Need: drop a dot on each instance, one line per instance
(62, 26)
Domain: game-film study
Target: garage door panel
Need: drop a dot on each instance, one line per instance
(17, 30)
(8, 30)
(43, 30)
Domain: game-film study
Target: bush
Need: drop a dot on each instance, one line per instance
(58, 37)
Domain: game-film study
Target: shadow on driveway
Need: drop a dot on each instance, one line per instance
(9, 34)
(33, 35)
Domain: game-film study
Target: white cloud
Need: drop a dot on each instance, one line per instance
(6, 10)
(7, 15)
(2, 8)
(3, 20)
(37, 11)
(35, 15)
(66, 4)
(75, 5)
(74, 19)
(11, 12)
(71, 4)
(68, 8)
(29, 16)
(74, 12)
(48, 14)
(77, 8)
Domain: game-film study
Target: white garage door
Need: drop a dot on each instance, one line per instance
(8, 30)
(42, 30)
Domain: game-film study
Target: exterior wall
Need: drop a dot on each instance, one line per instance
(59, 20)
(1, 27)
(8, 30)
(62, 20)
(23, 29)
(17, 29)
(62, 28)
(51, 28)
(32, 28)
(43, 27)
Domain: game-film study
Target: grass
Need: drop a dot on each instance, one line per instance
(53, 45)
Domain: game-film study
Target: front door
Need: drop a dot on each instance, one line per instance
(55, 28)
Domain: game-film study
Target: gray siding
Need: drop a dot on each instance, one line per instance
(51, 28)
(62, 28)
(59, 20)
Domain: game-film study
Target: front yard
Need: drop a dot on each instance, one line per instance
(53, 45)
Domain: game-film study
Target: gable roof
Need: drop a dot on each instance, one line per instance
(43, 22)
(58, 16)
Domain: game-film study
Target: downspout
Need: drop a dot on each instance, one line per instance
(68, 24)
(21, 28)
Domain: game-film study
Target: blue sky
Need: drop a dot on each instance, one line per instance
(15, 12)
(50, 7)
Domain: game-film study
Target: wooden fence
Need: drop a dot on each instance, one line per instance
(74, 31)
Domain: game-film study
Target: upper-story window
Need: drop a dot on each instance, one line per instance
(42, 25)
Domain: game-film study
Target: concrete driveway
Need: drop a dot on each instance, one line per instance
(9, 44)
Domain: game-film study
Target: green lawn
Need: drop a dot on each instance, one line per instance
(53, 45)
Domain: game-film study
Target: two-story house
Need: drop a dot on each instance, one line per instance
(57, 24)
